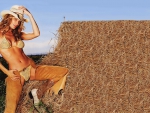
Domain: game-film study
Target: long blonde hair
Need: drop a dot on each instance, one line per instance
(4, 26)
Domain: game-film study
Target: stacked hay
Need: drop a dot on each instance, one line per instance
(109, 63)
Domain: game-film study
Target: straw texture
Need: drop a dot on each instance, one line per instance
(109, 63)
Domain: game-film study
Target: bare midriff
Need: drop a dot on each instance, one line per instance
(16, 59)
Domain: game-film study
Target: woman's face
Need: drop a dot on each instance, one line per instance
(14, 23)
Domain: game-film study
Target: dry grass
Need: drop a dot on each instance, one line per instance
(109, 63)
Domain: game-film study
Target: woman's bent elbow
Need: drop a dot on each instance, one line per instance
(37, 34)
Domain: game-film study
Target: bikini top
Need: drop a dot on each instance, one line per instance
(6, 44)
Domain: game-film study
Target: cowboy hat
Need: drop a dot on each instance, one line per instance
(16, 12)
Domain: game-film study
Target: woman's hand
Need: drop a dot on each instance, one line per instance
(13, 74)
(25, 10)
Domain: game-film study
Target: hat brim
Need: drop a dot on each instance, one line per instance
(4, 12)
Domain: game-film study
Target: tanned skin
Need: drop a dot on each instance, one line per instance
(15, 57)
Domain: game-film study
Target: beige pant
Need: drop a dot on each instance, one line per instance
(43, 72)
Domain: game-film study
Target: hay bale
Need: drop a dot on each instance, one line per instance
(109, 63)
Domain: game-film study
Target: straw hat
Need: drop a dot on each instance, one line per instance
(15, 11)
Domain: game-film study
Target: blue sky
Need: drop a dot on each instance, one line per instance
(50, 13)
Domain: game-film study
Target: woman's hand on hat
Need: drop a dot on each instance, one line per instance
(25, 10)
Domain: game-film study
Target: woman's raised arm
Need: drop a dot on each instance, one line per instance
(36, 31)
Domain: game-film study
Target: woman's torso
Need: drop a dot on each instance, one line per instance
(13, 53)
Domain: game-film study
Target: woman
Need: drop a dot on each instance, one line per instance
(21, 67)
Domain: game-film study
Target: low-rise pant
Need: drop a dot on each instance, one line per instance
(43, 72)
